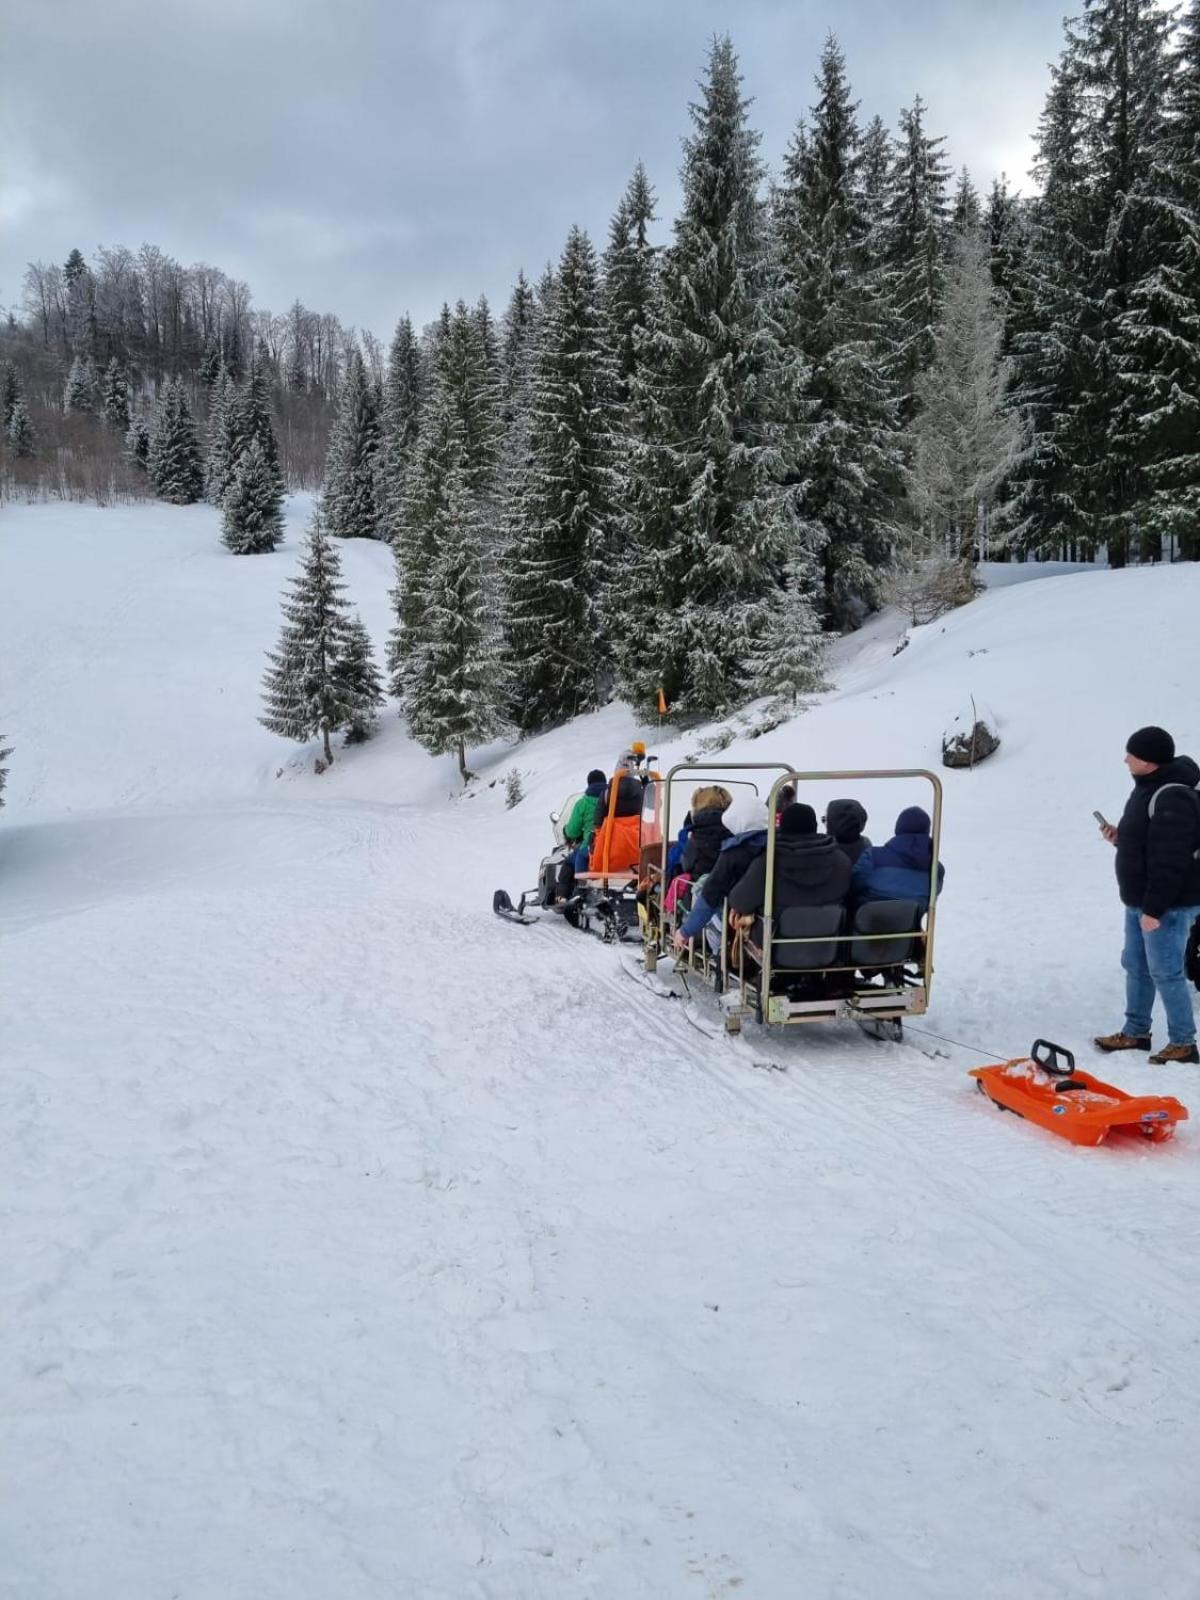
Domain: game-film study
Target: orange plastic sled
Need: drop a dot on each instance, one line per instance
(1073, 1104)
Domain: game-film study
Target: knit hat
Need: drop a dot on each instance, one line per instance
(913, 820)
(845, 819)
(1152, 744)
(797, 818)
(596, 776)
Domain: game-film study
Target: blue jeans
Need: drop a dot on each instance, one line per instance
(1154, 961)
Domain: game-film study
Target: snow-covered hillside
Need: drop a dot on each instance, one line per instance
(359, 1245)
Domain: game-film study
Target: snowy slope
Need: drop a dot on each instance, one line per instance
(361, 1246)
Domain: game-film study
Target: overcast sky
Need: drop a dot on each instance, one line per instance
(377, 156)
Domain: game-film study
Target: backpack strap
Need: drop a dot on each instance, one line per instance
(1187, 789)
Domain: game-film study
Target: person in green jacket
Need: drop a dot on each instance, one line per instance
(578, 830)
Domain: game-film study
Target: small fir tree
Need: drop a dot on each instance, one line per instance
(115, 402)
(254, 416)
(4, 755)
(210, 362)
(304, 689)
(348, 502)
(137, 442)
(252, 521)
(173, 460)
(360, 682)
(80, 393)
(10, 391)
(20, 434)
(224, 439)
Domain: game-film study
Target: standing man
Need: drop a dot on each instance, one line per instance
(1158, 875)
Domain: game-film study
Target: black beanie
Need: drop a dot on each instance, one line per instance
(1152, 744)
(798, 818)
(596, 776)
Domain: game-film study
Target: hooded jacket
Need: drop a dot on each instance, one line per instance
(810, 870)
(846, 820)
(583, 815)
(708, 834)
(899, 869)
(1157, 863)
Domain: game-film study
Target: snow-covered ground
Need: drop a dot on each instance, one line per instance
(358, 1245)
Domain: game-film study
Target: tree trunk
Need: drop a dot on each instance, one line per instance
(328, 747)
(467, 775)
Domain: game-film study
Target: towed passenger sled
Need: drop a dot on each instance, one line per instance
(873, 966)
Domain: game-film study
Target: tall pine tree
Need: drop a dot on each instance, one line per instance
(712, 529)
(399, 424)
(915, 241)
(81, 392)
(833, 318)
(562, 519)
(629, 280)
(304, 688)
(115, 399)
(348, 500)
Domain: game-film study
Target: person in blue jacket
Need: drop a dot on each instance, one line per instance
(900, 869)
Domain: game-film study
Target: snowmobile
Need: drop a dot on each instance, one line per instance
(1046, 1087)
(811, 964)
(605, 900)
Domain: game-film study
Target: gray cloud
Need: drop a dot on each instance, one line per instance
(374, 157)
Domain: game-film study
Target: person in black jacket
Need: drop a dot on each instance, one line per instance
(846, 820)
(748, 822)
(1158, 876)
(708, 831)
(810, 870)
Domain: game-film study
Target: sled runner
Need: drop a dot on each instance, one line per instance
(1073, 1104)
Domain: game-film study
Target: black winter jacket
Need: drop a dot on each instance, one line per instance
(846, 820)
(708, 834)
(1158, 867)
(810, 870)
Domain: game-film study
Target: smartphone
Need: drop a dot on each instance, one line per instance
(1100, 818)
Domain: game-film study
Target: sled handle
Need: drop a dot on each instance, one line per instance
(1047, 1056)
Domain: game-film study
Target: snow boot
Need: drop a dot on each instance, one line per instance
(1108, 1042)
(1185, 1053)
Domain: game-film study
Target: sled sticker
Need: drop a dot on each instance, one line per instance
(1060, 1111)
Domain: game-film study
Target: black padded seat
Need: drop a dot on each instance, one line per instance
(901, 917)
(822, 923)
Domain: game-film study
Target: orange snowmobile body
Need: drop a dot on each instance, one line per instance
(1075, 1105)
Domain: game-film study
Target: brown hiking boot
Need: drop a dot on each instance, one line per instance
(1187, 1053)
(1108, 1042)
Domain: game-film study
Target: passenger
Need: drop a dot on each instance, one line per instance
(785, 798)
(845, 820)
(810, 870)
(578, 830)
(616, 844)
(708, 831)
(748, 822)
(899, 869)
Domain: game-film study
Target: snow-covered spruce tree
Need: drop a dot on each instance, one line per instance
(1005, 227)
(360, 682)
(1049, 361)
(81, 391)
(399, 423)
(712, 523)
(173, 460)
(629, 279)
(1120, 54)
(223, 440)
(10, 392)
(516, 351)
(444, 657)
(562, 516)
(21, 438)
(304, 687)
(348, 501)
(965, 439)
(966, 214)
(254, 417)
(915, 240)
(115, 396)
(137, 442)
(252, 511)
(1159, 331)
(210, 362)
(833, 310)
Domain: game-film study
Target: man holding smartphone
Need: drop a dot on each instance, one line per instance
(1158, 875)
